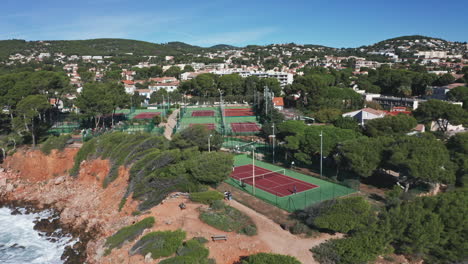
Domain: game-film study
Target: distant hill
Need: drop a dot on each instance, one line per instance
(223, 47)
(113, 47)
(95, 47)
(415, 43)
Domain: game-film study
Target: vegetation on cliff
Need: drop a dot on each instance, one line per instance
(55, 142)
(159, 244)
(229, 219)
(191, 252)
(207, 197)
(128, 233)
(267, 258)
(157, 167)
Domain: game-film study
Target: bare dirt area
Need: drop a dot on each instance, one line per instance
(281, 241)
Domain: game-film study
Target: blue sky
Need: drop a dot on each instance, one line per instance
(333, 23)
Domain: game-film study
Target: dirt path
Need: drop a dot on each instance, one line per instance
(281, 241)
(171, 123)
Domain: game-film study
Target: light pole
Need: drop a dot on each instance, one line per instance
(253, 169)
(321, 151)
(274, 138)
(209, 145)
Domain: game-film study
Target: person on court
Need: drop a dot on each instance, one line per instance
(294, 189)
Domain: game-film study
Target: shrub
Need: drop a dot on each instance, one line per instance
(207, 197)
(249, 230)
(298, 228)
(345, 215)
(159, 244)
(55, 142)
(228, 219)
(201, 240)
(217, 205)
(191, 252)
(128, 233)
(85, 151)
(268, 258)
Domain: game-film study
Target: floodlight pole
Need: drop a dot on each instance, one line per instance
(274, 139)
(253, 169)
(209, 145)
(321, 152)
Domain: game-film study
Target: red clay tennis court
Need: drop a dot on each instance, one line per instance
(245, 127)
(273, 182)
(146, 115)
(203, 113)
(209, 126)
(238, 112)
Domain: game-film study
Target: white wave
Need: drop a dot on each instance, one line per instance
(21, 244)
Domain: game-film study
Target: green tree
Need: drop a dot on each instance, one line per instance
(327, 115)
(345, 215)
(390, 125)
(173, 71)
(29, 111)
(444, 79)
(306, 145)
(363, 155)
(188, 68)
(420, 159)
(198, 136)
(94, 101)
(442, 113)
(211, 167)
(231, 84)
(272, 84)
(459, 94)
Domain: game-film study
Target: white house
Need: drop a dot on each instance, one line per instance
(365, 114)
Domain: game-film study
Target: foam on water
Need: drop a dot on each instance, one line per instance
(21, 244)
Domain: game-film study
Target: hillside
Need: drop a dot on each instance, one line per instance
(416, 43)
(95, 47)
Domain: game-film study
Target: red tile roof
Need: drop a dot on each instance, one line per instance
(278, 101)
(128, 82)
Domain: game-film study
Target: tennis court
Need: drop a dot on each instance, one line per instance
(209, 126)
(324, 190)
(146, 115)
(238, 112)
(274, 182)
(245, 127)
(203, 113)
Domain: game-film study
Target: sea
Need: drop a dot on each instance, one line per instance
(20, 243)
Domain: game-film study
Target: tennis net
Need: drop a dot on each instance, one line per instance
(262, 176)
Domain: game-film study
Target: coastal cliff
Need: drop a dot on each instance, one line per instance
(88, 210)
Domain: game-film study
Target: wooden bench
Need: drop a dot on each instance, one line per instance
(219, 237)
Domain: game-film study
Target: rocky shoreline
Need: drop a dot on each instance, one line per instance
(52, 228)
(82, 207)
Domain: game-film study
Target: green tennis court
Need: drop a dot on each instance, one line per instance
(325, 191)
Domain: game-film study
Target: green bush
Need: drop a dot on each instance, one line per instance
(55, 142)
(128, 233)
(159, 244)
(207, 197)
(345, 215)
(201, 240)
(298, 228)
(217, 205)
(191, 252)
(269, 258)
(228, 219)
(84, 153)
